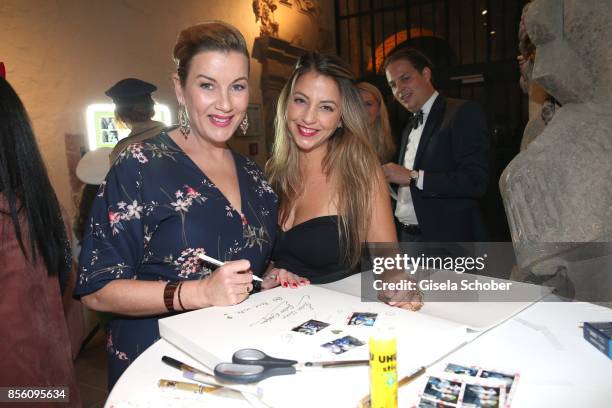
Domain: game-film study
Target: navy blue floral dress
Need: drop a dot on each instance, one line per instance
(153, 215)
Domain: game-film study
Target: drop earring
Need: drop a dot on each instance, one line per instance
(184, 124)
(244, 125)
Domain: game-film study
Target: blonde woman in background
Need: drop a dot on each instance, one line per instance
(381, 138)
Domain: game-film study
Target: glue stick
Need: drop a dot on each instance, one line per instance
(383, 370)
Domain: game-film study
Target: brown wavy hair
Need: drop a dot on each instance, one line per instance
(381, 137)
(350, 161)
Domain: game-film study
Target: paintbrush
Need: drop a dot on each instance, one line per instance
(198, 375)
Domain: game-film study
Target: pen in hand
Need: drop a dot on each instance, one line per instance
(216, 262)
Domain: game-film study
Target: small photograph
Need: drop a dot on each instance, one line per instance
(310, 327)
(342, 344)
(477, 396)
(427, 403)
(110, 136)
(107, 123)
(508, 379)
(442, 389)
(461, 370)
(362, 319)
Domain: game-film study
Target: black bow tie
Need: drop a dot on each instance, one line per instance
(417, 119)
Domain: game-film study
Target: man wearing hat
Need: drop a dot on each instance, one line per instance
(134, 107)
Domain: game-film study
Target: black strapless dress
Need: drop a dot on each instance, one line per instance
(311, 249)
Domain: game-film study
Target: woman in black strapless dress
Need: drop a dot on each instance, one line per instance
(333, 194)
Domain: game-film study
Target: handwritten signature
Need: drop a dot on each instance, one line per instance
(248, 309)
(284, 310)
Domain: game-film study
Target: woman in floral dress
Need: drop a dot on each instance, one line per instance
(177, 195)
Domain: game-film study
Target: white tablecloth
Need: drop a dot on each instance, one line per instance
(543, 343)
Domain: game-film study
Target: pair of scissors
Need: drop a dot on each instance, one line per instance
(252, 365)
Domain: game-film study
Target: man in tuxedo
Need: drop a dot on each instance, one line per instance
(443, 161)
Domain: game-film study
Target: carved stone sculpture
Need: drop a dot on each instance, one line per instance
(559, 189)
(311, 7)
(264, 12)
(542, 106)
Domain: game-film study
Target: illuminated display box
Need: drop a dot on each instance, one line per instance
(104, 131)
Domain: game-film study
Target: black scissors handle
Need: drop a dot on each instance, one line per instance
(249, 373)
(257, 357)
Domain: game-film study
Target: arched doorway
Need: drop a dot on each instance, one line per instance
(473, 45)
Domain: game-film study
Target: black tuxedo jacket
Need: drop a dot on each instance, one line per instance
(454, 154)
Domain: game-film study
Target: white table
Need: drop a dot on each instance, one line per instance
(543, 343)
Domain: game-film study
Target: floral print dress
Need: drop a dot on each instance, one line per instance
(153, 215)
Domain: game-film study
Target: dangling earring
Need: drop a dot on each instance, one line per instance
(183, 118)
(244, 125)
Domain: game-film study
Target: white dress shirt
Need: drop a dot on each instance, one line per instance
(404, 211)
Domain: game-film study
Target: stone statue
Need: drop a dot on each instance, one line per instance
(542, 106)
(311, 7)
(558, 191)
(264, 12)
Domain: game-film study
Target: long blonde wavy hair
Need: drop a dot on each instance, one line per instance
(350, 161)
(381, 137)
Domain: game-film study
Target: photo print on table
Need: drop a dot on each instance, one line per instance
(441, 389)
(427, 403)
(310, 327)
(343, 344)
(362, 319)
(476, 396)
(463, 391)
(508, 380)
(461, 370)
